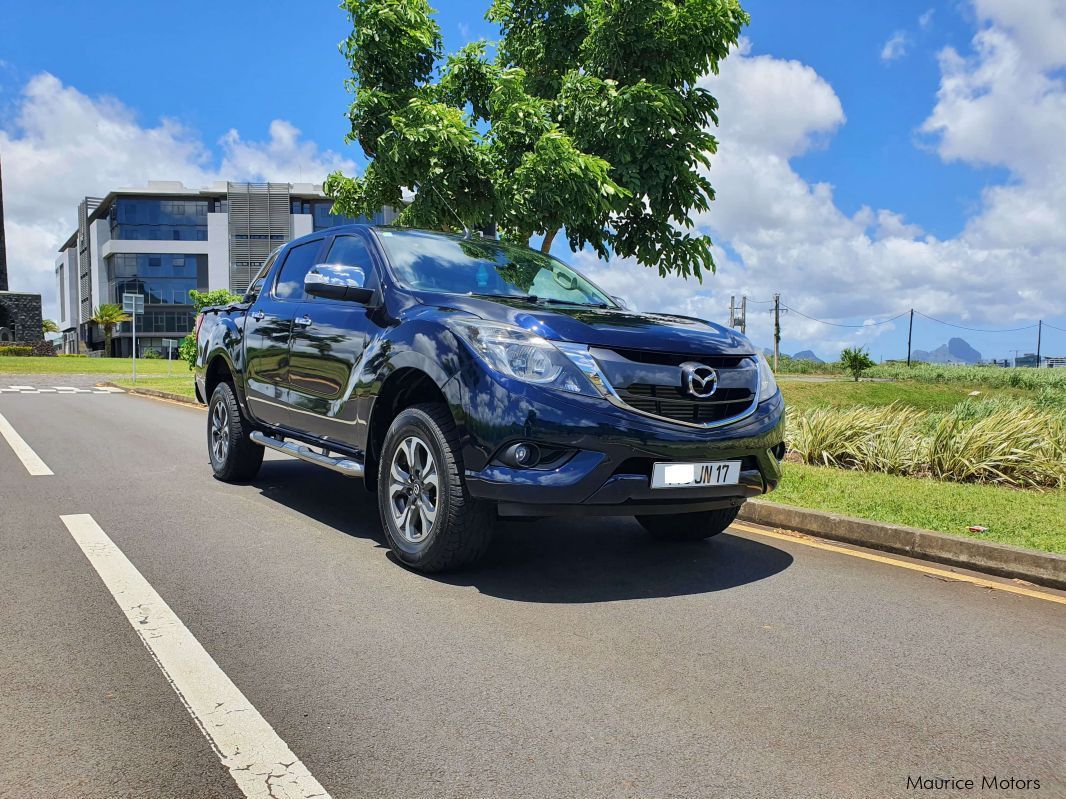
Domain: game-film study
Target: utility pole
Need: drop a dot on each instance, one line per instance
(777, 327)
(910, 332)
(738, 318)
(1039, 332)
(1015, 356)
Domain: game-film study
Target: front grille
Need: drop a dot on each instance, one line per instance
(671, 402)
(676, 359)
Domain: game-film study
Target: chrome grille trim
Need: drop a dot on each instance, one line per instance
(582, 358)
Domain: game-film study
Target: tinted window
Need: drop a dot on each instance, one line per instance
(257, 284)
(351, 251)
(298, 263)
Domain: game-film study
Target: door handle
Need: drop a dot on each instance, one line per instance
(302, 321)
(258, 316)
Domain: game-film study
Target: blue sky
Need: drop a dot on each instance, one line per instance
(217, 67)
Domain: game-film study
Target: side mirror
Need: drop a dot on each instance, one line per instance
(338, 282)
(621, 302)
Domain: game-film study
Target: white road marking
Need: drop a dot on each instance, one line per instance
(260, 762)
(34, 465)
(60, 390)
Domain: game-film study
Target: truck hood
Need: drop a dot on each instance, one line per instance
(601, 327)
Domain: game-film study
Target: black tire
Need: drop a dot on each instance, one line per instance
(689, 526)
(460, 529)
(234, 456)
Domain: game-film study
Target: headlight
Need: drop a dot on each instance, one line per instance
(525, 356)
(767, 383)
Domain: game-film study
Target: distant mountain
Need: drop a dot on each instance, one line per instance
(955, 351)
(807, 355)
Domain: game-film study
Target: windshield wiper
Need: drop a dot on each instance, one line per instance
(540, 300)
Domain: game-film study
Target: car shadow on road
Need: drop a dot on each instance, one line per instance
(551, 560)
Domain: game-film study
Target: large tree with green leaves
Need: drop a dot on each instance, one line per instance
(585, 117)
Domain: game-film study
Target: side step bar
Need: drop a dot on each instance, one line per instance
(345, 466)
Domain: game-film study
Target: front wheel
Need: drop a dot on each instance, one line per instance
(234, 456)
(689, 526)
(432, 524)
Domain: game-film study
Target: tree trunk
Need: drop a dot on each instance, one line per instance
(549, 237)
(107, 342)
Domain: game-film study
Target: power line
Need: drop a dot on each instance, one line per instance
(977, 329)
(1061, 330)
(837, 324)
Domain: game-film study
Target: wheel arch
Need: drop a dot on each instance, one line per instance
(220, 370)
(403, 388)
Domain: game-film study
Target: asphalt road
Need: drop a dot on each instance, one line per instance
(581, 660)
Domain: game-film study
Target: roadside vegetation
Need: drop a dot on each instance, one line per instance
(88, 366)
(1033, 519)
(1010, 442)
(976, 376)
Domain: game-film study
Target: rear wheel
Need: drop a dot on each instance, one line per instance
(689, 526)
(432, 524)
(234, 456)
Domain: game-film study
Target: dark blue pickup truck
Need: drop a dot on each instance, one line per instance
(465, 379)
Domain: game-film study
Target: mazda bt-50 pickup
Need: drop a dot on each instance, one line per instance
(465, 379)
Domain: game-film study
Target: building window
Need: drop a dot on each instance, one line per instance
(162, 279)
(158, 219)
(323, 216)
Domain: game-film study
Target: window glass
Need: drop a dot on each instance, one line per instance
(298, 263)
(351, 251)
(257, 283)
(435, 262)
(162, 279)
(159, 219)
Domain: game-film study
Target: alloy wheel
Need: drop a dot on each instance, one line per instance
(414, 489)
(220, 432)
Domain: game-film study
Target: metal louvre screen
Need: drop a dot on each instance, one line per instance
(85, 286)
(259, 222)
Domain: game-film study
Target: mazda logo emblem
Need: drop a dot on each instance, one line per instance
(698, 380)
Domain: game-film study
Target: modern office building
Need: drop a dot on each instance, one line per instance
(163, 240)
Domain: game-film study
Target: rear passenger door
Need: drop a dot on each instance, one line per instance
(326, 351)
(269, 331)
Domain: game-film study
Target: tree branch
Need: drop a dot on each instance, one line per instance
(549, 237)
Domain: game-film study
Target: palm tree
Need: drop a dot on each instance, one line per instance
(107, 316)
(48, 326)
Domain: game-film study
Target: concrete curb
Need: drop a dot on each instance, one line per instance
(151, 392)
(1042, 568)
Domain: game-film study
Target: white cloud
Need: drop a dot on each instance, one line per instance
(896, 47)
(788, 235)
(925, 21)
(62, 145)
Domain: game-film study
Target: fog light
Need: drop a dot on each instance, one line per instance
(521, 454)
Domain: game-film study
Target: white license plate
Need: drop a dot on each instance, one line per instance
(694, 475)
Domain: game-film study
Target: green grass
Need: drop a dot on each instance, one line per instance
(181, 384)
(1032, 519)
(922, 396)
(86, 366)
(990, 376)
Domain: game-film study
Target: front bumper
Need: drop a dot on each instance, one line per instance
(611, 452)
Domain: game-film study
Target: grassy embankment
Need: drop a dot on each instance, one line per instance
(1022, 517)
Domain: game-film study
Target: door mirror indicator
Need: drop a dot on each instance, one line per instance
(338, 282)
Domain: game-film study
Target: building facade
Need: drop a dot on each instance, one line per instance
(20, 313)
(166, 239)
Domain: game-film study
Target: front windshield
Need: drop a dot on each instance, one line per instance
(434, 262)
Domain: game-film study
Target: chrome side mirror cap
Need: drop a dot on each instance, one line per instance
(338, 282)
